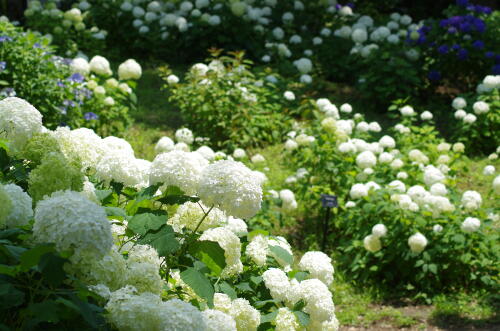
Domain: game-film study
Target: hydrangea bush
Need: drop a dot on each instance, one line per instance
(224, 101)
(136, 249)
(72, 92)
(402, 223)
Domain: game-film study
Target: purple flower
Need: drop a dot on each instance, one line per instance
(5, 38)
(443, 49)
(37, 45)
(434, 75)
(489, 54)
(456, 47)
(478, 44)
(69, 103)
(90, 116)
(3, 65)
(76, 78)
(60, 84)
(462, 54)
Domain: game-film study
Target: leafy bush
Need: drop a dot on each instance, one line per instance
(227, 103)
(153, 256)
(68, 29)
(65, 94)
(405, 191)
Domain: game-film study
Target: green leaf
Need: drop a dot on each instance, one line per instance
(227, 289)
(11, 297)
(282, 254)
(433, 268)
(244, 287)
(269, 317)
(8, 270)
(45, 311)
(31, 257)
(299, 305)
(115, 211)
(14, 251)
(210, 253)
(103, 194)
(143, 223)
(163, 241)
(148, 193)
(302, 317)
(52, 269)
(300, 275)
(175, 196)
(200, 284)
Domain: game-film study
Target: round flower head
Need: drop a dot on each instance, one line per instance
(189, 215)
(433, 175)
(407, 111)
(480, 107)
(19, 121)
(184, 135)
(496, 184)
(216, 320)
(372, 243)
(7, 206)
(319, 266)
(304, 65)
(417, 242)
(277, 282)
(129, 69)
(438, 189)
(358, 191)
(471, 200)
(289, 95)
(55, 173)
(366, 159)
(115, 144)
(469, 118)
(206, 152)
(231, 245)
(379, 230)
(178, 168)
(437, 228)
(286, 320)
(72, 222)
(319, 303)
(232, 187)
(247, 318)
(20, 211)
(426, 115)
(471, 224)
(489, 170)
(459, 103)
(80, 65)
(237, 226)
(239, 153)
(257, 250)
(100, 66)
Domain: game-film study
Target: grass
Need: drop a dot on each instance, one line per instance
(357, 306)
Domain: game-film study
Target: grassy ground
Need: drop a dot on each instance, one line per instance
(358, 308)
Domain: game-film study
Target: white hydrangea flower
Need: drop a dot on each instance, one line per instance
(100, 66)
(178, 168)
(417, 242)
(231, 245)
(459, 103)
(21, 211)
(471, 200)
(277, 282)
(289, 95)
(469, 118)
(129, 69)
(72, 222)
(237, 226)
(164, 145)
(19, 121)
(190, 214)
(80, 65)
(123, 168)
(258, 158)
(217, 320)
(433, 175)
(178, 315)
(426, 115)
(184, 135)
(379, 230)
(407, 111)
(358, 191)
(319, 303)
(480, 107)
(247, 318)
(231, 186)
(304, 65)
(286, 320)
(172, 79)
(489, 170)
(366, 159)
(496, 184)
(257, 250)
(437, 228)
(471, 224)
(206, 152)
(372, 243)
(438, 189)
(319, 265)
(460, 114)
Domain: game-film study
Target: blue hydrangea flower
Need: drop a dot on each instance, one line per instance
(90, 116)
(478, 44)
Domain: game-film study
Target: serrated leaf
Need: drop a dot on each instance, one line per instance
(210, 253)
(282, 254)
(200, 284)
(163, 241)
(143, 223)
